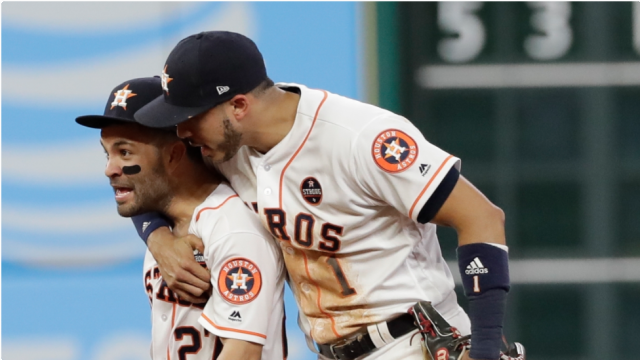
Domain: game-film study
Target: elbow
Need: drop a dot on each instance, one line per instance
(497, 219)
(498, 215)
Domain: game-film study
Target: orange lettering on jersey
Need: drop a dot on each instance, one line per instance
(330, 240)
(277, 220)
(164, 293)
(394, 151)
(147, 283)
(239, 281)
(148, 286)
(303, 234)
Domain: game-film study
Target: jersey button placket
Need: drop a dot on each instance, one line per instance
(164, 317)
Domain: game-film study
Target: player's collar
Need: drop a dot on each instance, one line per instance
(310, 99)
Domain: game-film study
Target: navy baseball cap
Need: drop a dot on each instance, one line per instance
(202, 71)
(124, 100)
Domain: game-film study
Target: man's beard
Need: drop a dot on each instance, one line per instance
(231, 144)
(152, 192)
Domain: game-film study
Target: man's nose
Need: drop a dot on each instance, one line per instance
(183, 131)
(112, 169)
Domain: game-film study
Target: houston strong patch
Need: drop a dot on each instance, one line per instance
(239, 281)
(311, 191)
(394, 151)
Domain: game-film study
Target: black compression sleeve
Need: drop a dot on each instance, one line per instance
(431, 207)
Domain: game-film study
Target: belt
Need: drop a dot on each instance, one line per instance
(350, 349)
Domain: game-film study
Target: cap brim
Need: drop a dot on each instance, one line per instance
(159, 114)
(100, 121)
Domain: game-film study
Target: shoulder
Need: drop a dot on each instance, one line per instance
(353, 126)
(222, 197)
(224, 213)
(336, 112)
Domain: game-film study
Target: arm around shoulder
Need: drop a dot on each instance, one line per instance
(177, 264)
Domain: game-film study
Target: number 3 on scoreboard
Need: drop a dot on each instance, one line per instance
(554, 35)
(347, 290)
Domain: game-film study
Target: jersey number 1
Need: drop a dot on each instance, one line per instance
(344, 284)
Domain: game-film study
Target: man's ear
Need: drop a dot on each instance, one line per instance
(240, 104)
(176, 152)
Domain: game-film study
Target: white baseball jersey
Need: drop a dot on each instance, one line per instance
(342, 192)
(247, 274)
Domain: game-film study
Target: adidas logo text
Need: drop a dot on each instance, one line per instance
(476, 267)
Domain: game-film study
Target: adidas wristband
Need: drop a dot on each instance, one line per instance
(484, 269)
(145, 224)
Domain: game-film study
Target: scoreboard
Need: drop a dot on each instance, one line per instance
(541, 101)
(523, 32)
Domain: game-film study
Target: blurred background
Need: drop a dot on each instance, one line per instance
(540, 100)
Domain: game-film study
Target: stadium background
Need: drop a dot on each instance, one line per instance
(539, 100)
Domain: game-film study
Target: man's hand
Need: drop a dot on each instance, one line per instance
(178, 267)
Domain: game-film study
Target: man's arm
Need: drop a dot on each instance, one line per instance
(234, 349)
(481, 239)
(472, 215)
(176, 262)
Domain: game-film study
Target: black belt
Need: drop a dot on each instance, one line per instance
(362, 344)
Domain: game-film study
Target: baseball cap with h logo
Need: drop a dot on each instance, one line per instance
(203, 71)
(124, 100)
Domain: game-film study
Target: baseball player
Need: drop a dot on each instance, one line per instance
(352, 193)
(153, 170)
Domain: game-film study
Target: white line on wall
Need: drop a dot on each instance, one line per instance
(528, 75)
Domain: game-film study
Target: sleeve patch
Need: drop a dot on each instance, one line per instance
(394, 151)
(239, 281)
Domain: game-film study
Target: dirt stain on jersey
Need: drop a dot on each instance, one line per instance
(319, 287)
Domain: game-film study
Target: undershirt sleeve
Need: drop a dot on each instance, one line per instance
(437, 199)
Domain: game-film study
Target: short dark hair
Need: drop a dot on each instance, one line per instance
(262, 87)
(167, 136)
